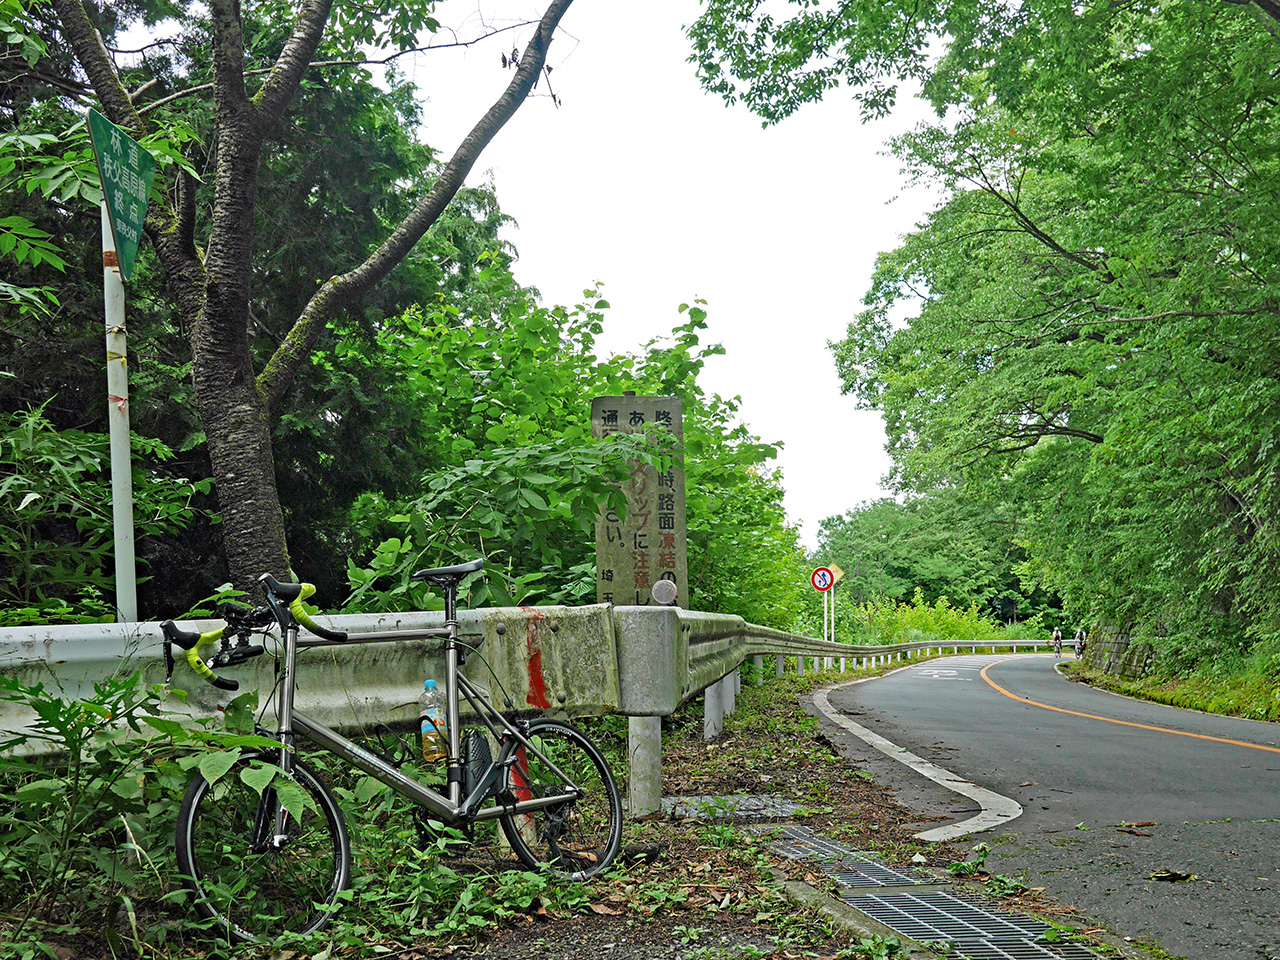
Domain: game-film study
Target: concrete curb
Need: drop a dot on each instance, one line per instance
(996, 808)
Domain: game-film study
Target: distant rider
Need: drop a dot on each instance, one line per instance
(1057, 642)
(1081, 639)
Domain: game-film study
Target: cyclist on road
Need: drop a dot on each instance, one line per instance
(1057, 643)
(1081, 639)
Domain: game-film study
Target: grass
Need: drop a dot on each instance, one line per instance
(411, 894)
(1248, 692)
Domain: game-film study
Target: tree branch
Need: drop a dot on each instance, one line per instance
(227, 54)
(374, 62)
(338, 291)
(91, 52)
(281, 86)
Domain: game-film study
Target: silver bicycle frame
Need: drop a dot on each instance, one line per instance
(453, 808)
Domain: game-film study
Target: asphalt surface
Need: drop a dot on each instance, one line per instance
(1114, 811)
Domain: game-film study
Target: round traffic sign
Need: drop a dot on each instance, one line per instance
(823, 579)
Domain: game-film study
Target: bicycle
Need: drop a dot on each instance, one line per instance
(262, 860)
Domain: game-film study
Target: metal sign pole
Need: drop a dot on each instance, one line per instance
(833, 613)
(825, 618)
(118, 421)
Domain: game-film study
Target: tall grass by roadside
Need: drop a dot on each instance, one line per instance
(884, 621)
(1238, 685)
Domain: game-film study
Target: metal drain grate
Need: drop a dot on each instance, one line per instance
(940, 916)
(735, 807)
(1020, 949)
(920, 913)
(851, 868)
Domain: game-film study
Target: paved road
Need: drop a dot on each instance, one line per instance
(1113, 790)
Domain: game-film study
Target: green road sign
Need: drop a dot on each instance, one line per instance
(127, 172)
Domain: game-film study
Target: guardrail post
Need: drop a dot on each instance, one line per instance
(800, 666)
(842, 659)
(758, 660)
(779, 667)
(712, 711)
(644, 751)
(729, 691)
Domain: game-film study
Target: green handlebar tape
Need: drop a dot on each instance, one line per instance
(297, 610)
(193, 655)
(304, 618)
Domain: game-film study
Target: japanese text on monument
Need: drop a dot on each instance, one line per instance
(650, 543)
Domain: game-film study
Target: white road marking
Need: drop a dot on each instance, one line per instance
(933, 673)
(996, 809)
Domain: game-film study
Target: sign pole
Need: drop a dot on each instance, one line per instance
(127, 172)
(118, 422)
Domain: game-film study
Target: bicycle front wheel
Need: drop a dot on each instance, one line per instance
(580, 836)
(254, 882)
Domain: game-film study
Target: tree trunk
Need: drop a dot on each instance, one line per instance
(237, 408)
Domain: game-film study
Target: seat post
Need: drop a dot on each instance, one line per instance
(451, 601)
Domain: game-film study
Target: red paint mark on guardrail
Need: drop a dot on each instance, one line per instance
(537, 695)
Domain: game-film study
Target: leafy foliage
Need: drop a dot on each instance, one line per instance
(505, 400)
(939, 622)
(940, 544)
(56, 529)
(1087, 341)
(90, 791)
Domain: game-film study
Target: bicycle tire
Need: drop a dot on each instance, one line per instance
(256, 897)
(576, 839)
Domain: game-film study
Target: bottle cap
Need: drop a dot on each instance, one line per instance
(428, 684)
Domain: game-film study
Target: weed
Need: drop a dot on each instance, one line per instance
(721, 835)
(728, 953)
(89, 808)
(971, 868)
(872, 948)
(1002, 886)
(688, 935)
(652, 897)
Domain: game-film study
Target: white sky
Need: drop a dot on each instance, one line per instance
(642, 181)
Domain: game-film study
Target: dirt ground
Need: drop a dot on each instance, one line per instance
(700, 888)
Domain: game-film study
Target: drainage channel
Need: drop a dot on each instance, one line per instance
(912, 903)
(918, 906)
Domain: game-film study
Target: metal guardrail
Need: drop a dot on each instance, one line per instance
(641, 662)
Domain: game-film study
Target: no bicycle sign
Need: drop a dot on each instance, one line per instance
(822, 579)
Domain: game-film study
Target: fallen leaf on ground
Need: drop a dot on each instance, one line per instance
(1172, 876)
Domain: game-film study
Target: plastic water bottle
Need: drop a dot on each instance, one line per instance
(434, 723)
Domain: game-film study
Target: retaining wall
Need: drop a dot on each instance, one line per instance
(1114, 650)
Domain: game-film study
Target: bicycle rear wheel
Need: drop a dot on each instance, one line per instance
(580, 836)
(252, 883)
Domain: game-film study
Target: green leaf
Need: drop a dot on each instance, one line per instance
(214, 766)
(259, 775)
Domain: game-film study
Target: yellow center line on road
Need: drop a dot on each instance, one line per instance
(1123, 723)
